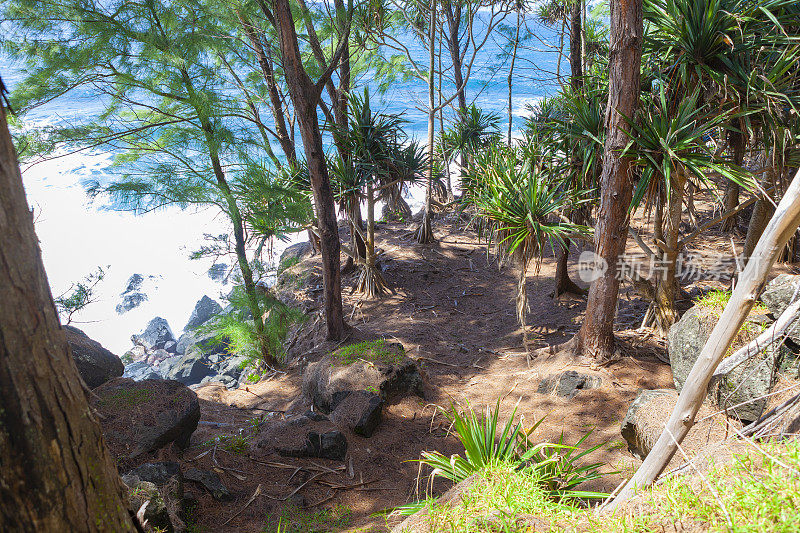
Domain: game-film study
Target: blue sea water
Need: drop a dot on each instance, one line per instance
(77, 236)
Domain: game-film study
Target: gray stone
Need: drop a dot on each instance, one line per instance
(211, 482)
(132, 296)
(748, 381)
(155, 335)
(309, 435)
(640, 432)
(160, 473)
(296, 252)
(201, 341)
(382, 368)
(568, 384)
(141, 417)
(171, 347)
(203, 311)
(139, 371)
(359, 411)
(189, 369)
(778, 295)
(96, 365)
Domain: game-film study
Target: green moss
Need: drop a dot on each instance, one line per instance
(372, 351)
(126, 398)
(294, 520)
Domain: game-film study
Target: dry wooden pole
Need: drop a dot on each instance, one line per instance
(781, 227)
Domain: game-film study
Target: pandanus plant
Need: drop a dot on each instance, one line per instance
(523, 205)
(372, 140)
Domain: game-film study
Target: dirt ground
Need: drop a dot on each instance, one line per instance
(453, 309)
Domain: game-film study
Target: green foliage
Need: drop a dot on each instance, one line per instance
(555, 467)
(371, 351)
(79, 295)
(237, 331)
(667, 141)
(295, 520)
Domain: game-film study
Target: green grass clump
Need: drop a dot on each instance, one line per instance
(371, 351)
(294, 520)
(287, 263)
(759, 490)
(718, 299)
(557, 466)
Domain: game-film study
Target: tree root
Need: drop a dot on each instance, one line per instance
(370, 282)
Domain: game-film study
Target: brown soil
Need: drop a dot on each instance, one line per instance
(452, 307)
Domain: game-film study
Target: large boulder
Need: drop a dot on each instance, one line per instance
(139, 371)
(201, 341)
(204, 310)
(96, 365)
(647, 414)
(156, 335)
(360, 411)
(189, 369)
(211, 482)
(778, 295)
(374, 366)
(745, 386)
(140, 417)
(309, 435)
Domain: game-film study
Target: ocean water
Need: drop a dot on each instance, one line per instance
(77, 235)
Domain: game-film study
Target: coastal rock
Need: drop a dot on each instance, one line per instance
(140, 417)
(375, 366)
(204, 310)
(568, 384)
(189, 369)
(155, 335)
(744, 385)
(201, 341)
(132, 296)
(139, 371)
(778, 295)
(96, 365)
(296, 252)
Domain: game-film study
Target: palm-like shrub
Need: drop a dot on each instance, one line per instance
(377, 163)
(523, 206)
(556, 466)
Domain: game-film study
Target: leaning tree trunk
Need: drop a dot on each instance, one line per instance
(305, 96)
(425, 232)
(780, 229)
(55, 471)
(666, 313)
(563, 283)
(596, 336)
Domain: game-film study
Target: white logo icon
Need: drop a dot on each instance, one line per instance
(591, 266)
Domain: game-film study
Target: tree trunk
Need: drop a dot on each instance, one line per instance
(56, 472)
(454, 45)
(425, 232)
(780, 229)
(736, 140)
(511, 78)
(305, 97)
(276, 105)
(596, 336)
(666, 313)
(762, 212)
(563, 283)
